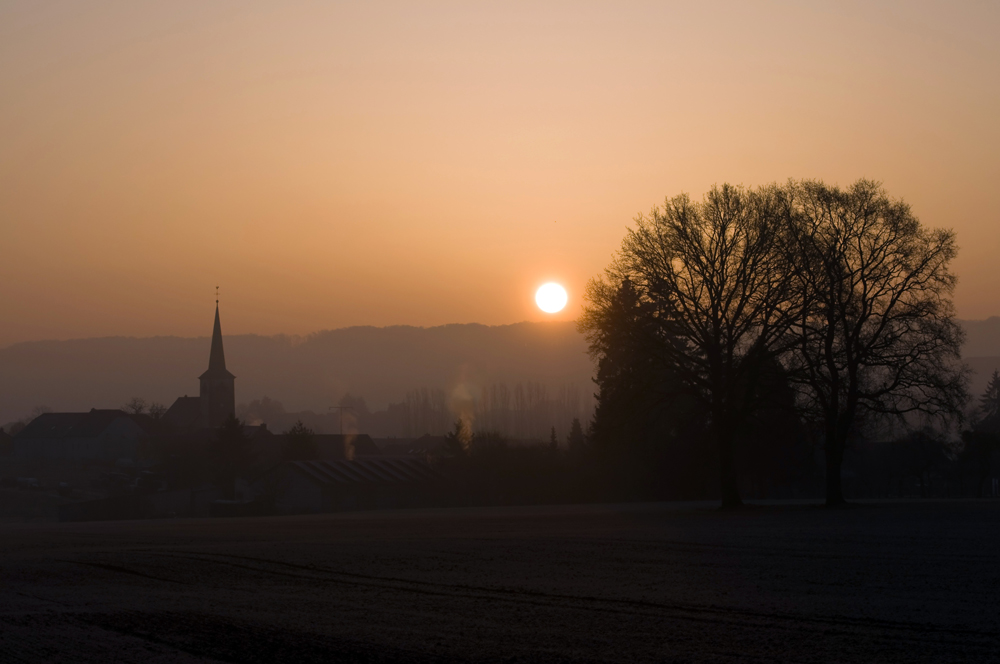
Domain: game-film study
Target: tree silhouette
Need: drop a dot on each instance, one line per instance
(983, 440)
(989, 405)
(877, 336)
(458, 441)
(713, 284)
(576, 441)
(156, 410)
(300, 445)
(646, 421)
(230, 454)
(135, 406)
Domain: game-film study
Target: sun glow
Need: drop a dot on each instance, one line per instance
(551, 298)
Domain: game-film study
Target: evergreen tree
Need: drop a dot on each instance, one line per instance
(647, 428)
(576, 441)
(983, 441)
(714, 285)
(230, 454)
(458, 441)
(300, 445)
(989, 405)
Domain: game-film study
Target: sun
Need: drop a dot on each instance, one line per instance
(551, 298)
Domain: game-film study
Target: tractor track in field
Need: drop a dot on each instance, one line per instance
(713, 614)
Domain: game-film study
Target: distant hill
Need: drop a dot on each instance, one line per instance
(982, 337)
(982, 350)
(379, 364)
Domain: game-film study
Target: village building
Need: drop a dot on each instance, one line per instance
(114, 435)
(344, 472)
(98, 435)
(304, 487)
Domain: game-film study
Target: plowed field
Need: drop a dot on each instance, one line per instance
(906, 582)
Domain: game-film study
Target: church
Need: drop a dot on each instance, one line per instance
(112, 434)
(217, 395)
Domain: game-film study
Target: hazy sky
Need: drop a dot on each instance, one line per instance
(332, 164)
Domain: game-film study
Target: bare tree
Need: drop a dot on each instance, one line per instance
(715, 281)
(878, 337)
(135, 406)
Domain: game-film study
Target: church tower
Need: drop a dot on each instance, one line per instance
(218, 393)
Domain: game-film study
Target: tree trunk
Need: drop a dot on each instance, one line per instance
(834, 462)
(727, 470)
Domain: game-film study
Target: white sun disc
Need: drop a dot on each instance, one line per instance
(551, 298)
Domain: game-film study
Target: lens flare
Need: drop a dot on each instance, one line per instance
(551, 298)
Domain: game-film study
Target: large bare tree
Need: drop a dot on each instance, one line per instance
(878, 337)
(714, 280)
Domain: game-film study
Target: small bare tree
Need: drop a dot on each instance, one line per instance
(156, 410)
(135, 406)
(878, 336)
(714, 281)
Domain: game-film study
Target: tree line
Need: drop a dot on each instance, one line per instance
(526, 411)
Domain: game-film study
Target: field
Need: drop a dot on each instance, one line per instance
(906, 582)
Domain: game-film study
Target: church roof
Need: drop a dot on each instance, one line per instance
(217, 357)
(184, 413)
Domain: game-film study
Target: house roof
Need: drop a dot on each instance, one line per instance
(76, 425)
(374, 471)
(184, 413)
(422, 446)
(362, 443)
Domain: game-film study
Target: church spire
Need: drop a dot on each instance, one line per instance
(217, 356)
(218, 394)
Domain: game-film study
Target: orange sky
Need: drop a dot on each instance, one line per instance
(428, 163)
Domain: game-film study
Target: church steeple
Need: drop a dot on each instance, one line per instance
(218, 389)
(217, 356)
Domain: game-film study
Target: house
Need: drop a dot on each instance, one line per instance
(332, 446)
(98, 435)
(426, 446)
(329, 446)
(302, 487)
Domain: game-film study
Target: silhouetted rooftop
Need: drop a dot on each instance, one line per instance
(388, 471)
(78, 425)
(184, 414)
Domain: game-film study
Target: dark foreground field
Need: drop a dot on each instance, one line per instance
(900, 582)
